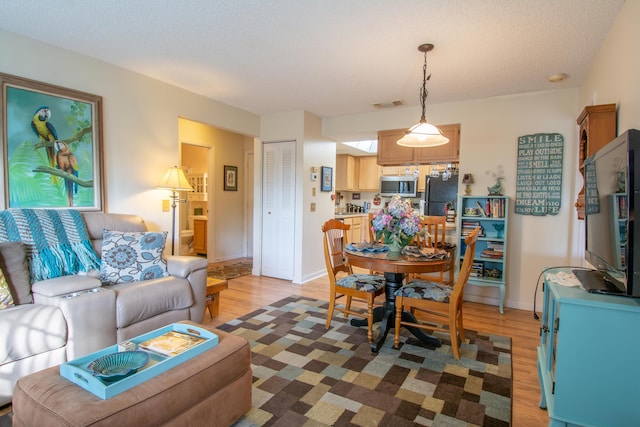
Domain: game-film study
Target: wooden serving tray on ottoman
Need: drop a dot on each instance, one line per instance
(210, 388)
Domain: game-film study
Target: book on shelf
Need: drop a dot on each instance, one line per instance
(495, 208)
(477, 269)
(171, 343)
(490, 253)
(481, 209)
(469, 226)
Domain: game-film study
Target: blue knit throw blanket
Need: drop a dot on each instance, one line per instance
(56, 241)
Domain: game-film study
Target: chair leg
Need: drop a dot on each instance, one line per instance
(347, 305)
(460, 326)
(398, 316)
(370, 320)
(332, 304)
(455, 347)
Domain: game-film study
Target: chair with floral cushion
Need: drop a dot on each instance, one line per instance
(437, 300)
(364, 287)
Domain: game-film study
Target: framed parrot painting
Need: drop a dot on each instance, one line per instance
(51, 145)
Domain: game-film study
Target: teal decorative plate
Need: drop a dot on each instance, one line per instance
(115, 366)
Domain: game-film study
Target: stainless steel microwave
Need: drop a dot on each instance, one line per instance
(405, 186)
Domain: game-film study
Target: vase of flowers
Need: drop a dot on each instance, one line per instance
(396, 224)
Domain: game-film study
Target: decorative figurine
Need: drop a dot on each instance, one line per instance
(496, 189)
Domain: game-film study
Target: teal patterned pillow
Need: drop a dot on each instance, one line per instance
(132, 256)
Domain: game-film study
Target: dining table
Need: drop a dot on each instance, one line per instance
(395, 266)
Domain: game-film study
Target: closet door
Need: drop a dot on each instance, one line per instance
(278, 209)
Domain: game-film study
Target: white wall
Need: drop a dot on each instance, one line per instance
(312, 149)
(613, 76)
(140, 120)
(488, 138)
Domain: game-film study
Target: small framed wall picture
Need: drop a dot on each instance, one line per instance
(327, 178)
(230, 178)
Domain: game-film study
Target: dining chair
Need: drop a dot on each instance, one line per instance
(435, 228)
(434, 300)
(365, 287)
(372, 236)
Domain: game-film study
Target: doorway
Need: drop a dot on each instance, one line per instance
(278, 209)
(194, 218)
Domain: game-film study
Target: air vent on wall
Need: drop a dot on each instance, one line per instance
(391, 104)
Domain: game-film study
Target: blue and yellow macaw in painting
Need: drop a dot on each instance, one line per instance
(66, 161)
(45, 131)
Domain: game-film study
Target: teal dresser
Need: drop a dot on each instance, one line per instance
(589, 357)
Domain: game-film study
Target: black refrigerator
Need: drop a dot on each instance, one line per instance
(438, 193)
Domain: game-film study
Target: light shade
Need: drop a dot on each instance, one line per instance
(423, 135)
(175, 180)
(467, 178)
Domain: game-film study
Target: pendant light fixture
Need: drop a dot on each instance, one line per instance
(423, 134)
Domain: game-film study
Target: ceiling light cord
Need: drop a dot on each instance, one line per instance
(423, 134)
(424, 93)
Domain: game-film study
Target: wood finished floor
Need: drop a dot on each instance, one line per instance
(248, 293)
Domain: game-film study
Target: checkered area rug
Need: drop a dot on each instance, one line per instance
(306, 375)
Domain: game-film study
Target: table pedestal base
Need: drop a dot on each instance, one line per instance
(387, 314)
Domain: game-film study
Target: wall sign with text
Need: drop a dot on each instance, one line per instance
(539, 175)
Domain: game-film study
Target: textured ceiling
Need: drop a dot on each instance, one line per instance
(328, 57)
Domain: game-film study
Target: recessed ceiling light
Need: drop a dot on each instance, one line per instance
(555, 78)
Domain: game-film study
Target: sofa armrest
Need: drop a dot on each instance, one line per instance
(64, 285)
(194, 269)
(183, 266)
(89, 310)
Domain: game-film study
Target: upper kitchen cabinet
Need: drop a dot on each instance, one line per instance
(368, 174)
(390, 153)
(346, 173)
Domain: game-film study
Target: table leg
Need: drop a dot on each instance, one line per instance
(387, 312)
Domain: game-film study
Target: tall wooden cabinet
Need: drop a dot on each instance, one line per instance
(598, 126)
(588, 357)
(390, 153)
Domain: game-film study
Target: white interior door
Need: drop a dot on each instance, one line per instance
(278, 209)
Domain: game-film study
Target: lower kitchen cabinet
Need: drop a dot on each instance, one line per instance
(200, 236)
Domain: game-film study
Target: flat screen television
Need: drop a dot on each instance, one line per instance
(612, 190)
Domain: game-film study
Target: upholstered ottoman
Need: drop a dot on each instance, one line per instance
(211, 389)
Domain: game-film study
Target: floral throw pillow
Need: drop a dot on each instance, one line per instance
(6, 300)
(132, 256)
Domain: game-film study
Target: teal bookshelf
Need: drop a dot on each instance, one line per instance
(491, 214)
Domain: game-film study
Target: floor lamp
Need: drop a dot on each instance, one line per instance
(174, 180)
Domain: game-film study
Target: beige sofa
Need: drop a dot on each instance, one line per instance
(64, 318)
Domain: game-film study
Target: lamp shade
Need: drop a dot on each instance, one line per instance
(175, 180)
(423, 135)
(467, 178)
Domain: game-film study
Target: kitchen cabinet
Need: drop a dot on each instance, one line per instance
(390, 153)
(368, 174)
(354, 234)
(587, 358)
(598, 125)
(346, 173)
(200, 236)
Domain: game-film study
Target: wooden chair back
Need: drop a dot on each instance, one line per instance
(465, 268)
(435, 228)
(335, 242)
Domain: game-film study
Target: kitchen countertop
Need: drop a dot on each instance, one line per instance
(350, 215)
